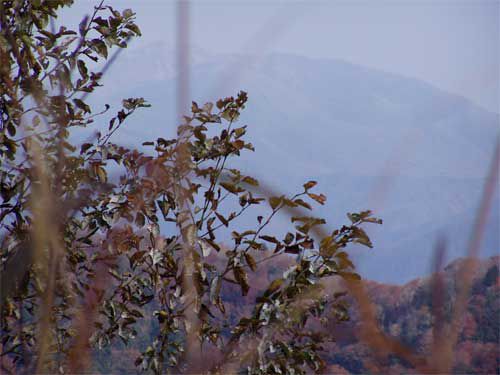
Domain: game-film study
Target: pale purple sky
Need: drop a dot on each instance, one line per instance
(454, 45)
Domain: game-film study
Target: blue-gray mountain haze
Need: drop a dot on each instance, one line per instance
(416, 155)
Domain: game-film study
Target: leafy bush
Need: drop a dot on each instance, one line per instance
(98, 238)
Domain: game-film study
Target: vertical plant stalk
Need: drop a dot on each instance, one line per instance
(392, 168)
(79, 354)
(183, 169)
(47, 247)
(438, 309)
(47, 220)
(466, 272)
(261, 41)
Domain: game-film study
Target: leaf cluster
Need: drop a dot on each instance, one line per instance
(107, 235)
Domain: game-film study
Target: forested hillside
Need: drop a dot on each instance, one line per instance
(406, 312)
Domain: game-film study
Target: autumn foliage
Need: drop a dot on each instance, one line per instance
(109, 251)
(98, 238)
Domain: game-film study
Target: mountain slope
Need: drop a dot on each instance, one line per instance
(405, 312)
(373, 140)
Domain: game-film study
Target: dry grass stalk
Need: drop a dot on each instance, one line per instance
(47, 245)
(438, 300)
(185, 221)
(79, 356)
(466, 271)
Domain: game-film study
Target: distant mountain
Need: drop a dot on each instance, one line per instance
(373, 140)
(405, 312)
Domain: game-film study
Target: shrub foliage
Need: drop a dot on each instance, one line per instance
(98, 238)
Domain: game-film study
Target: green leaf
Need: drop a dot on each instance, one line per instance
(238, 144)
(222, 219)
(230, 115)
(373, 220)
(11, 129)
(82, 105)
(231, 187)
(164, 208)
(300, 202)
(310, 184)
(239, 132)
(321, 199)
(82, 68)
(307, 244)
(250, 181)
(253, 244)
(269, 239)
(140, 220)
(273, 287)
(213, 244)
(207, 108)
(127, 13)
(100, 47)
(328, 250)
(274, 202)
(133, 27)
(294, 249)
(288, 238)
(101, 173)
(251, 262)
(135, 258)
(361, 237)
(353, 217)
(242, 279)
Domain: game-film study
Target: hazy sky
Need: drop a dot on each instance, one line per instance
(454, 45)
